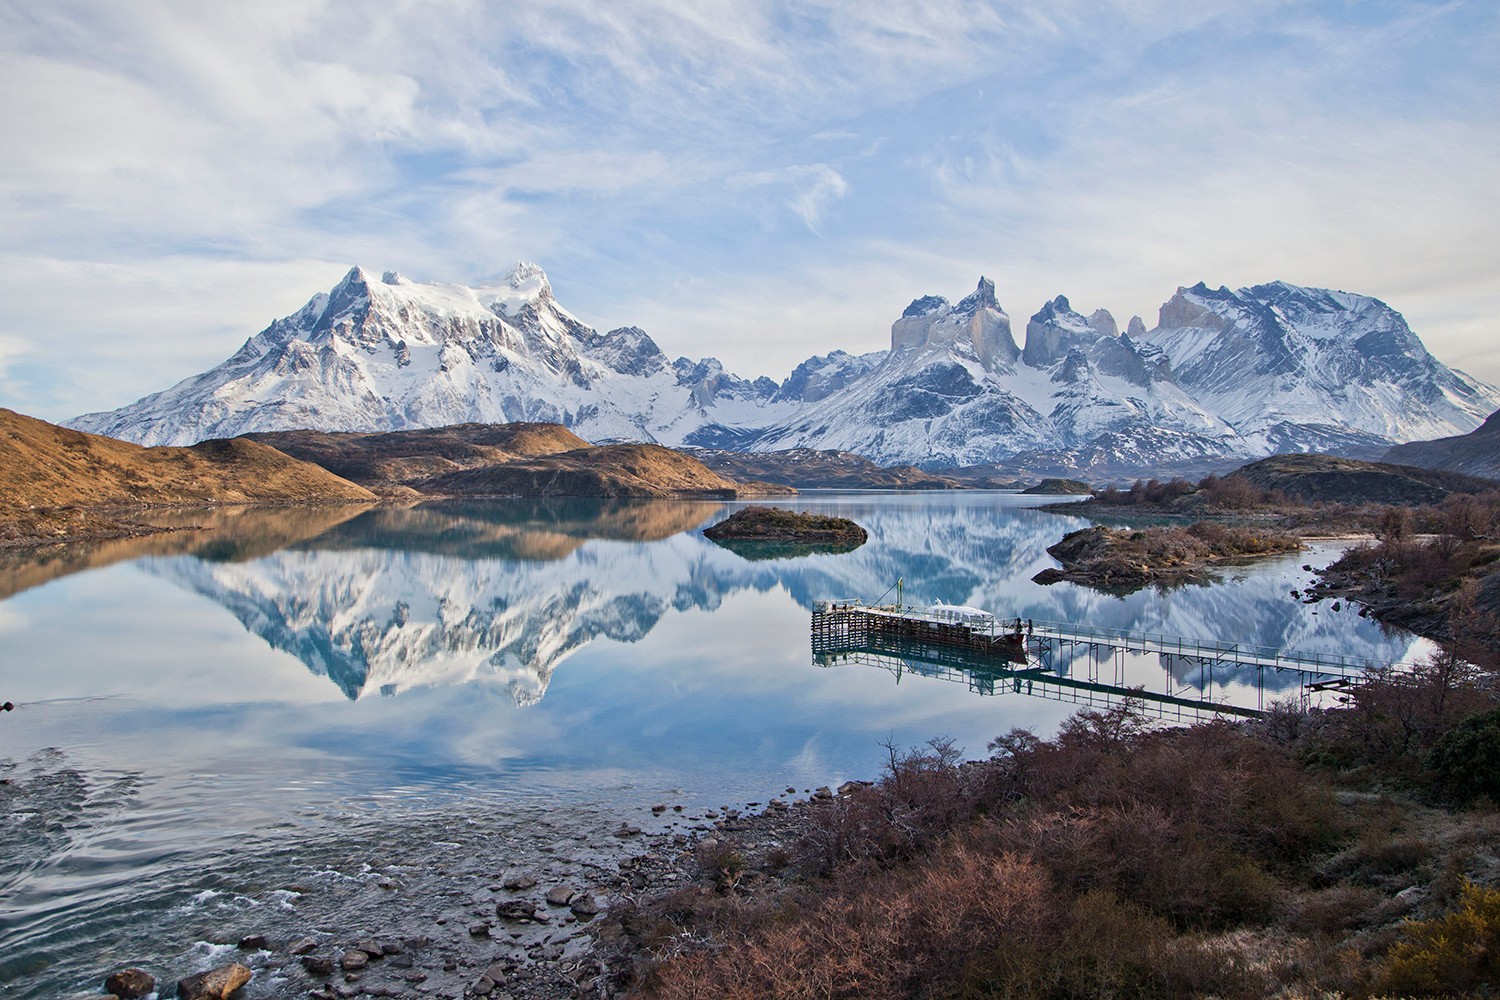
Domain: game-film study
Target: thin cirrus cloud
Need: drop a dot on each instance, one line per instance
(750, 179)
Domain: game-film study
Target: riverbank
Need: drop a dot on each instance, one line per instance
(1292, 856)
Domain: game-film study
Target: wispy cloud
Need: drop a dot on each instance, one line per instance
(783, 173)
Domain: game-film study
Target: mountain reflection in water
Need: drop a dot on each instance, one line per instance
(502, 592)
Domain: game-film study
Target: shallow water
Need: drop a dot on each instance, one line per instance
(314, 721)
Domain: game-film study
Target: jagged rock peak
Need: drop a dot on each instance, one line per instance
(983, 297)
(1186, 309)
(926, 306)
(977, 325)
(1136, 329)
(525, 271)
(1058, 328)
(1103, 323)
(1058, 306)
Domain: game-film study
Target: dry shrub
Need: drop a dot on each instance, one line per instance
(1194, 825)
(898, 932)
(1454, 955)
(1337, 909)
(922, 795)
(1394, 718)
(1465, 760)
(1235, 493)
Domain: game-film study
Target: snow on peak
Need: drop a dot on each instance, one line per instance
(529, 279)
(394, 278)
(983, 297)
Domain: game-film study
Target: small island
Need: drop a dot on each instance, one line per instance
(775, 524)
(1122, 559)
(1059, 487)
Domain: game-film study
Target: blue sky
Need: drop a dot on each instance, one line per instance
(756, 181)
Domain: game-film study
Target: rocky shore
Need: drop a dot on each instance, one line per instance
(548, 929)
(1122, 559)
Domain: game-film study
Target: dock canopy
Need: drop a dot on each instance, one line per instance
(960, 613)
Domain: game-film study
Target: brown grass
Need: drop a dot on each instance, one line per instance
(46, 471)
(620, 470)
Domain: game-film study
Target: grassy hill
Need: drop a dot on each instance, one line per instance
(1313, 478)
(382, 461)
(617, 470)
(59, 483)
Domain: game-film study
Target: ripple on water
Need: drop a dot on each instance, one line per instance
(100, 875)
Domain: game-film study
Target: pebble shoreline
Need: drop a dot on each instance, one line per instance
(526, 934)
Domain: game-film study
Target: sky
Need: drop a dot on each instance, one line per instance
(753, 181)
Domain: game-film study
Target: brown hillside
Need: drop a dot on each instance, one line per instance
(617, 470)
(1312, 478)
(44, 467)
(1476, 453)
(395, 458)
(822, 469)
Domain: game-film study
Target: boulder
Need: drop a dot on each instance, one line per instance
(317, 965)
(130, 984)
(215, 984)
(586, 906)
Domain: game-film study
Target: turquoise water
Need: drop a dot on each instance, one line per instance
(209, 723)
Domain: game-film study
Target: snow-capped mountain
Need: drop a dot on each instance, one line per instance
(954, 389)
(1309, 369)
(383, 355)
(1224, 376)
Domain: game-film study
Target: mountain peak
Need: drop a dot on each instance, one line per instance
(983, 297)
(526, 276)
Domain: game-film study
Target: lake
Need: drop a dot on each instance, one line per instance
(310, 720)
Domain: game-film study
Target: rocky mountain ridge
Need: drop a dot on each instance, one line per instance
(1224, 375)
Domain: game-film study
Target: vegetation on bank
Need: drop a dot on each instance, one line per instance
(1348, 852)
(1122, 559)
(1303, 493)
(1314, 854)
(1435, 571)
(1059, 487)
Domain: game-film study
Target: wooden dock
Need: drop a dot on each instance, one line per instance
(1021, 653)
(842, 625)
(856, 623)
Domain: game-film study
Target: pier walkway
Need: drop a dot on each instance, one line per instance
(969, 644)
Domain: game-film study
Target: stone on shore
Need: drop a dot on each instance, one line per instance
(130, 984)
(215, 984)
(306, 946)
